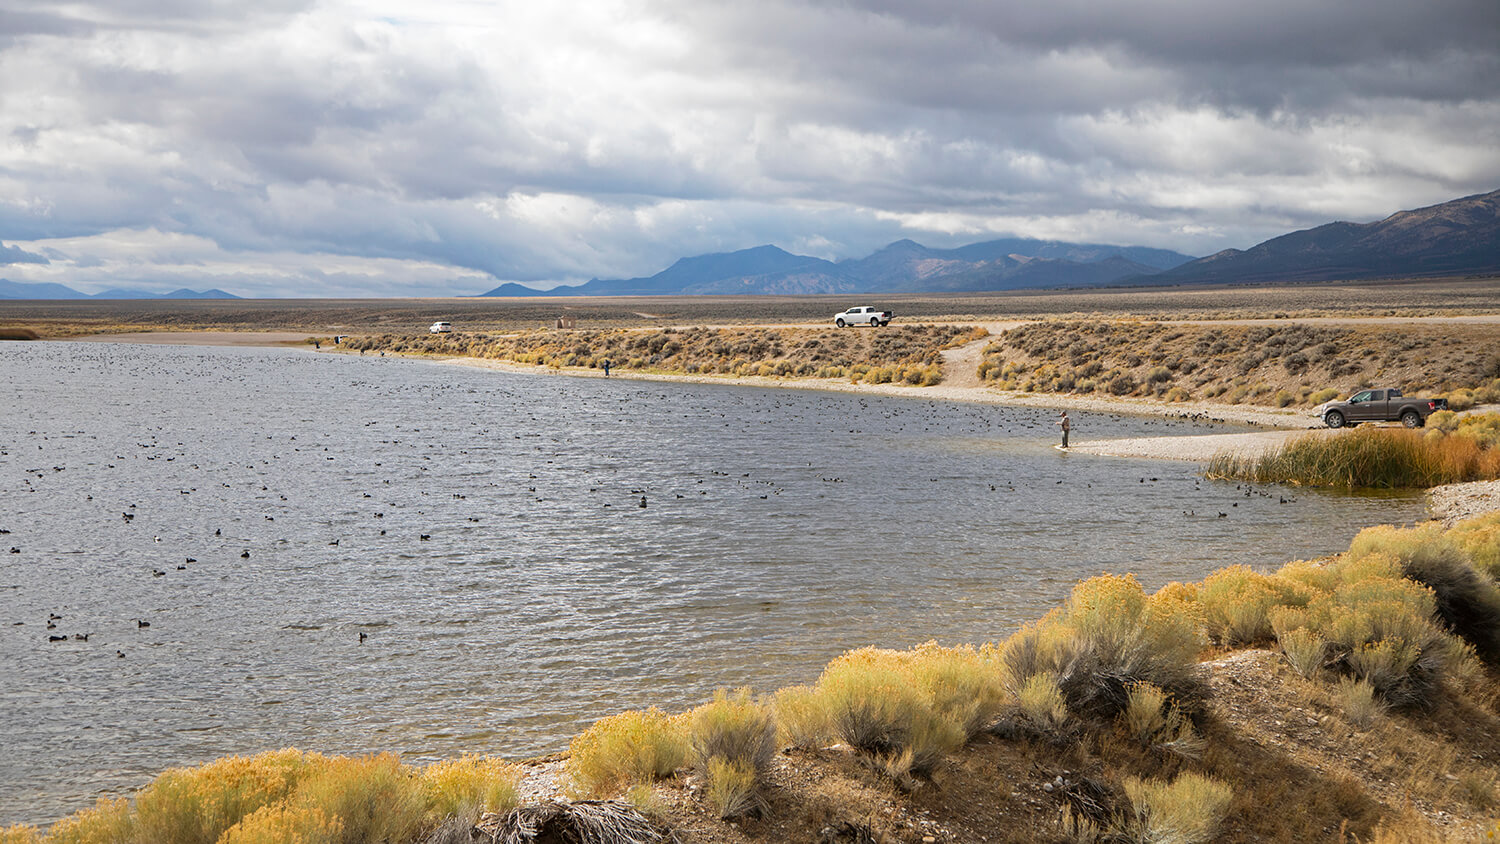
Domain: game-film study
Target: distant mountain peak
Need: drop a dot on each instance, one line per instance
(1461, 236)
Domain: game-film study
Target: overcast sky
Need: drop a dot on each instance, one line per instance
(439, 147)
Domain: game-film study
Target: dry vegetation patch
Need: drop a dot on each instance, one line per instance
(908, 354)
(1280, 365)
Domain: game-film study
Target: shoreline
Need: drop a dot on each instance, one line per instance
(1202, 411)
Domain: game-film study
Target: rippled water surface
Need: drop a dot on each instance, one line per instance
(262, 509)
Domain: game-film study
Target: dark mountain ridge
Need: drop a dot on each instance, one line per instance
(1457, 237)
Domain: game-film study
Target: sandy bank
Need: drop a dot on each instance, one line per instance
(1194, 447)
(198, 338)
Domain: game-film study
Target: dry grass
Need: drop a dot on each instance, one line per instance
(470, 786)
(908, 354)
(1276, 365)
(801, 718)
(1109, 636)
(625, 749)
(733, 739)
(1187, 810)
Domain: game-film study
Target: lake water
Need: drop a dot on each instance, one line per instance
(484, 532)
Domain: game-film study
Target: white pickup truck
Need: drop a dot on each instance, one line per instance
(862, 316)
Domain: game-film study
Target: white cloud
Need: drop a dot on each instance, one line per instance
(543, 142)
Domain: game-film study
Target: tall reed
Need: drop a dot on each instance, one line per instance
(1371, 457)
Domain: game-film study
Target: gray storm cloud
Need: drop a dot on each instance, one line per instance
(385, 148)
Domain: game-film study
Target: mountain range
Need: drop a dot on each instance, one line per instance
(1460, 237)
(902, 267)
(20, 290)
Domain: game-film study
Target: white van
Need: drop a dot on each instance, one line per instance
(441, 327)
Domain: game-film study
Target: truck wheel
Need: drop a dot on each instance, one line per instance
(874, 322)
(1333, 419)
(839, 323)
(1411, 419)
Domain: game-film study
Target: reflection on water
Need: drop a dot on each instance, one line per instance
(348, 554)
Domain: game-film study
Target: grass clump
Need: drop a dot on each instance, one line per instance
(1187, 810)
(282, 824)
(801, 719)
(878, 703)
(732, 788)
(735, 728)
(1305, 651)
(1359, 701)
(1367, 457)
(197, 805)
(469, 786)
(733, 739)
(373, 797)
(621, 750)
(1153, 720)
(1237, 604)
(20, 833)
(1108, 636)
(1041, 701)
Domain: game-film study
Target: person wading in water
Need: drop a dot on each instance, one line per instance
(1067, 425)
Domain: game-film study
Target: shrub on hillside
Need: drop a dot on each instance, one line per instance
(1479, 537)
(1467, 602)
(196, 805)
(876, 706)
(469, 786)
(632, 747)
(1377, 626)
(373, 798)
(733, 727)
(1187, 810)
(1237, 604)
(1107, 637)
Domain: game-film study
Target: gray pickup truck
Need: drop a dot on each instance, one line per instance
(1379, 406)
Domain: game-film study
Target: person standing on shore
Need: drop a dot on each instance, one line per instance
(1066, 425)
(606, 367)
